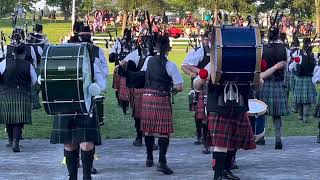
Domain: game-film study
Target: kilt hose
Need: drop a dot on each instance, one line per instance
(35, 89)
(200, 109)
(137, 102)
(75, 129)
(274, 95)
(15, 107)
(231, 132)
(123, 90)
(304, 91)
(116, 79)
(156, 112)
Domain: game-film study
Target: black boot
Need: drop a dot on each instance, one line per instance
(149, 142)
(72, 158)
(138, 140)
(228, 165)
(124, 105)
(87, 161)
(15, 146)
(163, 144)
(9, 130)
(220, 158)
(318, 139)
(16, 137)
(261, 141)
(206, 149)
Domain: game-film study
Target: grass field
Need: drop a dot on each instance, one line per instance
(121, 126)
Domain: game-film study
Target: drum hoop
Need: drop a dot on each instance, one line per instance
(259, 113)
(258, 55)
(78, 81)
(45, 77)
(219, 55)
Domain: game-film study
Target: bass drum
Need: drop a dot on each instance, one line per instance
(65, 74)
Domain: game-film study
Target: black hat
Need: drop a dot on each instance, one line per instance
(77, 26)
(295, 42)
(85, 29)
(273, 33)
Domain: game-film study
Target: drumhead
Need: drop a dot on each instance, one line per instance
(86, 72)
(257, 107)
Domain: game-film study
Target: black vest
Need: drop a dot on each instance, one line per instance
(274, 53)
(135, 77)
(157, 77)
(307, 65)
(17, 75)
(217, 105)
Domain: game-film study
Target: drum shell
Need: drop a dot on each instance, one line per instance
(258, 125)
(238, 52)
(62, 79)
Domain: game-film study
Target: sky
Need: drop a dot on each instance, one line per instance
(40, 4)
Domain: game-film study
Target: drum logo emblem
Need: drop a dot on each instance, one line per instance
(61, 68)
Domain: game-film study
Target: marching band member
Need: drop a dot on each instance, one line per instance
(316, 80)
(273, 91)
(80, 130)
(17, 77)
(191, 66)
(118, 52)
(156, 112)
(229, 131)
(304, 92)
(136, 80)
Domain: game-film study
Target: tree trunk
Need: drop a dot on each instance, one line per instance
(317, 3)
(124, 22)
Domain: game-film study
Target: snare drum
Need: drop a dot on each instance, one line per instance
(65, 77)
(238, 52)
(257, 109)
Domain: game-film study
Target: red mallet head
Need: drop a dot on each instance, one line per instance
(203, 74)
(297, 59)
(264, 65)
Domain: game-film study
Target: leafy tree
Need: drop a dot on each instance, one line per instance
(7, 6)
(64, 5)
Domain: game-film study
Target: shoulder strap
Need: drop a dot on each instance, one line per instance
(141, 62)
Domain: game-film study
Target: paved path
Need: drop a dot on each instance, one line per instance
(299, 160)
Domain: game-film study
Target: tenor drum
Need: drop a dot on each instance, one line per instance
(237, 55)
(257, 109)
(65, 77)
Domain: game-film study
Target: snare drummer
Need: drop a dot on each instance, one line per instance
(273, 91)
(195, 61)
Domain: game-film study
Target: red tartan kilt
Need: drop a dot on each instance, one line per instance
(231, 132)
(137, 102)
(200, 111)
(116, 80)
(123, 90)
(156, 113)
(131, 98)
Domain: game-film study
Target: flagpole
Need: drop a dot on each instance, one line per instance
(73, 13)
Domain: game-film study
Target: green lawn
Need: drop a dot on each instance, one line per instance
(120, 126)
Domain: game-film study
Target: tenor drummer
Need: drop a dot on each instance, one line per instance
(79, 130)
(17, 76)
(273, 92)
(191, 66)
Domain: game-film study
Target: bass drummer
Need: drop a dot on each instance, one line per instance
(79, 132)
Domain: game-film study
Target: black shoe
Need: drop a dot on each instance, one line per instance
(318, 139)
(234, 166)
(164, 168)
(198, 142)
(94, 170)
(16, 147)
(261, 142)
(218, 178)
(206, 151)
(278, 145)
(155, 147)
(10, 144)
(149, 163)
(137, 142)
(229, 175)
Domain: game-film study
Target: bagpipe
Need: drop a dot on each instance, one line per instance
(2, 43)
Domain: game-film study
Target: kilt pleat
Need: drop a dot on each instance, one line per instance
(231, 132)
(123, 90)
(137, 102)
(15, 107)
(73, 129)
(131, 97)
(200, 109)
(156, 112)
(274, 95)
(304, 90)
